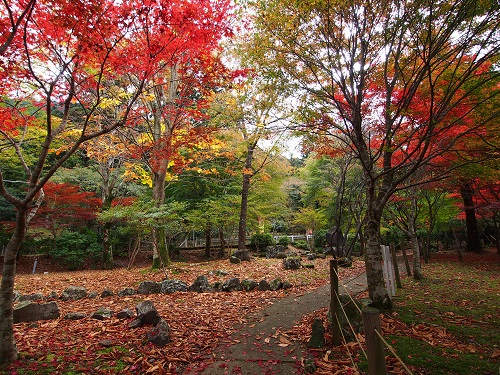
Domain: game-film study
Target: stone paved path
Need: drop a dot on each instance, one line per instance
(254, 349)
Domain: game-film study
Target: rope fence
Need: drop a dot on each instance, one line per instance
(374, 340)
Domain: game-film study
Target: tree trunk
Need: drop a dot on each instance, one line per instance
(473, 242)
(208, 241)
(8, 349)
(247, 175)
(373, 261)
(412, 232)
(222, 250)
(107, 254)
(161, 256)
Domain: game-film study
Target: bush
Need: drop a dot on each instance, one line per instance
(259, 241)
(74, 249)
(320, 238)
(283, 240)
(301, 245)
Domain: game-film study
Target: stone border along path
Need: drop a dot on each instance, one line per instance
(254, 349)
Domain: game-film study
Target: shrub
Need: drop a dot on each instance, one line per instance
(261, 240)
(283, 240)
(301, 245)
(320, 238)
(74, 249)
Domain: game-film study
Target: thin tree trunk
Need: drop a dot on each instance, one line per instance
(8, 349)
(473, 242)
(208, 241)
(373, 261)
(245, 190)
(161, 256)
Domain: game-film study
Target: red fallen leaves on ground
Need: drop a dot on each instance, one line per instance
(199, 322)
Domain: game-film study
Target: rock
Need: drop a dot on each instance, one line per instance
(276, 284)
(159, 335)
(136, 323)
(232, 285)
(147, 314)
(200, 285)
(31, 297)
(217, 286)
(106, 343)
(249, 285)
(101, 314)
(281, 256)
(172, 286)
(74, 293)
(16, 295)
(125, 314)
(235, 260)
(292, 263)
(127, 292)
(264, 285)
(310, 266)
(30, 312)
(345, 262)
(74, 316)
(93, 295)
(311, 256)
(52, 296)
(317, 339)
(241, 255)
(221, 273)
(149, 287)
(287, 284)
(107, 293)
(275, 251)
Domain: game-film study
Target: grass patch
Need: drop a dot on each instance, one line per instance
(464, 299)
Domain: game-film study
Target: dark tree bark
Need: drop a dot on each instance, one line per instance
(473, 241)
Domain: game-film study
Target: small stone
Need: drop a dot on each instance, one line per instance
(287, 284)
(107, 293)
(74, 293)
(125, 314)
(171, 286)
(264, 285)
(235, 260)
(127, 292)
(102, 314)
(136, 323)
(149, 287)
(200, 285)
(31, 297)
(249, 285)
(159, 335)
(232, 285)
(276, 284)
(292, 263)
(317, 339)
(147, 313)
(93, 295)
(52, 296)
(106, 343)
(74, 316)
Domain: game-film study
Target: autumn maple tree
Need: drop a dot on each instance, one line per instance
(82, 65)
(359, 69)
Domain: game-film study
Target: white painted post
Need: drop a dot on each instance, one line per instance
(388, 270)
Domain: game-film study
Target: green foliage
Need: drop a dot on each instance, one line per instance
(301, 245)
(74, 249)
(283, 240)
(261, 240)
(320, 238)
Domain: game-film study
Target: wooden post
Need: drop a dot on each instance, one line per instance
(334, 302)
(374, 345)
(395, 262)
(405, 257)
